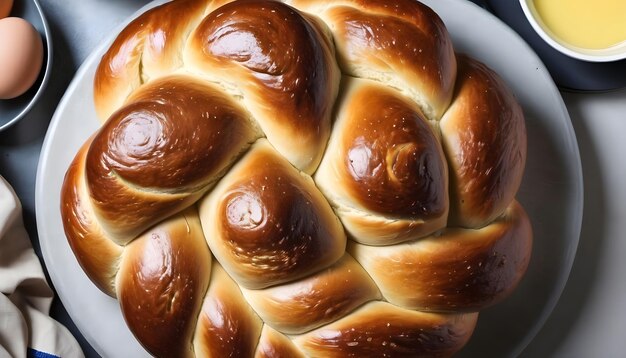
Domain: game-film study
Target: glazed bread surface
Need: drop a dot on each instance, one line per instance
(299, 178)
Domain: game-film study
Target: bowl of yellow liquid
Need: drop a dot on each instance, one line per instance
(586, 30)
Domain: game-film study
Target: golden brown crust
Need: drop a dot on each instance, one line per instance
(318, 299)
(227, 326)
(178, 122)
(162, 278)
(485, 141)
(267, 224)
(384, 162)
(149, 46)
(405, 46)
(380, 329)
(388, 148)
(161, 151)
(273, 344)
(281, 63)
(173, 178)
(96, 254)
(378, 230)
(459, 270)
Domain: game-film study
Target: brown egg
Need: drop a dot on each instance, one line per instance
(5, 8)
(21, 56)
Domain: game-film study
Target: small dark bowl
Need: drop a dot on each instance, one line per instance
(12, 110)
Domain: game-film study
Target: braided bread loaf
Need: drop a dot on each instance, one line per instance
(298, 178)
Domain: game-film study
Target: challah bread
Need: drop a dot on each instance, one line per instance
(380, 329)
(148, 47)
(227, 326)
(281, 62)
(485, 141)
(95, 251)
(273, 344)
(457, 270)
(332, 293)
(268, 224)
(162, 277)
(298, 178)
(384, 169)
(403, 44)
(176, 123)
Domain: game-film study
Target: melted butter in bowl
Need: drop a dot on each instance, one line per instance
(587, 30)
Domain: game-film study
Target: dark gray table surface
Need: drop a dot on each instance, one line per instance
(79, 26)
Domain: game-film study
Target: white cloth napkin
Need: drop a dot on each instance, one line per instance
(26, 329)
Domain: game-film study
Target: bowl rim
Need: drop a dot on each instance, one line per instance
(590, 55)
(45, 68)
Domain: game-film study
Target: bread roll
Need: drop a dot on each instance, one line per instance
(384, 169)
(281, 62)
(460, 270)
(268, 224)
(380, 329)
(308, 303)
(273, 344)
(162, 279)
(403, 44)
(177, 123)
(149, 47)
(485, 141)
(227, 326)
(96, 253)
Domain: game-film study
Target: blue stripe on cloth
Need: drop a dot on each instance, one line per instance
(33, 353)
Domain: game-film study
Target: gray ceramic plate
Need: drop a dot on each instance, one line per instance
(551, 192)
(12, 110)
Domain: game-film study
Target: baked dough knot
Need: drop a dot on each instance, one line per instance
(299, 178)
